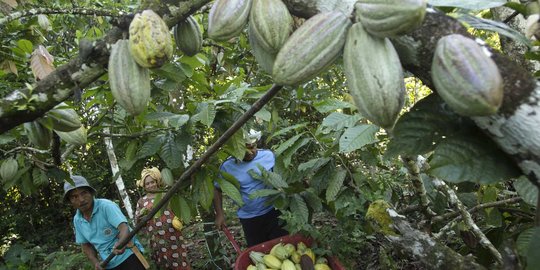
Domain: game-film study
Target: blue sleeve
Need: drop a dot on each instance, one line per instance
(114, 214)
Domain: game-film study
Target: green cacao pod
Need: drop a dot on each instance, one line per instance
(130, 83)
(311, 48)
(390, 18)
(227, 18)
(271, 23)
(264, 58)
(9, 169)
(167, 177)
(62, 118)
(39, 135)
(287, 265)
(76, 137)
(465, 76)
(374, 76)
(150, 41)
(188, 36)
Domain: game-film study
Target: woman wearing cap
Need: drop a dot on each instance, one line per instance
(259, 218)
(166, 242)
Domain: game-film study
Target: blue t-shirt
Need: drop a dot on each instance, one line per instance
(102, 230)
(240, 169)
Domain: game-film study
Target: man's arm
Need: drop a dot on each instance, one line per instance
(123, 231)
(218, 208)
(92, 255)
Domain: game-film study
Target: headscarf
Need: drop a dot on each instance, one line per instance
(152, 172)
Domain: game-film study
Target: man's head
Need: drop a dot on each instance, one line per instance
(251, 139)
(80, 194)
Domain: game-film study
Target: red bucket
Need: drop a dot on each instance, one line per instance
(243, 260)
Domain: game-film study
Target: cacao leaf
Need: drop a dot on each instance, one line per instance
(499, 27)
(150, 147)
(204, 188)
(338, 121)
(236, 145)
(41, 63)
(524, 239)
(533, 251)
(471, 158)
(287, 144)
(472, 5)
(312, 200)
(335, 184)
(287, 129)
(293, 151)
(319, 181)
(230, 178)
(356, 137)
(273, 179)
(526, 190)
(185, 210)
(313, 165)
(176, 72)
(206, 112)
(231, 191)
(328, 105)
(174, 204)
(170, 153)
(299, 208)
(263, 193)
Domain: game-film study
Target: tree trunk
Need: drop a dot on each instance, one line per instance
(117, 176)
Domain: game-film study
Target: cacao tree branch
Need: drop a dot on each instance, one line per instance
(446, 216)
(134, 135)
(78, 73)
(454, 200)
(76, 11)
(25, 149)
(414, 168)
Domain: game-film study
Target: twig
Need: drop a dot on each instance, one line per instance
(414, 166)
(134, 135)
(453, 199)
(27, 149)
(476, 208)
(78, 11)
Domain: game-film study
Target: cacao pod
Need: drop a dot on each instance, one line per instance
(9, 169)
(61, 118)
(177, 224)
(374, 76)
(465, 77)
(271, 23)
(39, 135)
(227, 18)
(306, 263)
(322, 266)
(167, 177)
(287, 265)
(256, 257)
(150, 41)
(311, 48)
(130, 83)
(264, 58)
(76, 137)
(188, 36)
(390, 18)
(271, 261)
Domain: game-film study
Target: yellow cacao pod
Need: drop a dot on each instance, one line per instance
(150, 41)
(374, 76)
(130, 83)
(227, 18)
(271, 261)
(311, 48)
(287, 265)
(390, 18)
(177, 224)
(322, 266)
(465, 76)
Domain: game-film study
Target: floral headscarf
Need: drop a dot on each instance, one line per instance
(152, 172)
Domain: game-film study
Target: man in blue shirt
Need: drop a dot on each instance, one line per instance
(99, 226)
(259, 219)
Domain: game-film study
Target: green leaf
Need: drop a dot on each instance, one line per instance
(185, 210)
(25, 45)
(313, 200)
(230, 178)
(533, 252)
(286, 144)
(313, 165)
(264, 114)
(471, 158)
(230, 190)
(466, 4)
(204, 186)
(499, 27)
(236, 145)
(319, 181)
(299, 208)
(287, 129)
(171, 71)
(356, 137)
(335, 184)
(174, 204)
(272, 178)
(338, 121)
(6, 139)
(293, 151)
(328, 105)
(524, 239)
(418, 131)
(526, 190)
(170, 153)
(263, 193)
(150, 147)
(158, 197)
(206, 112)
